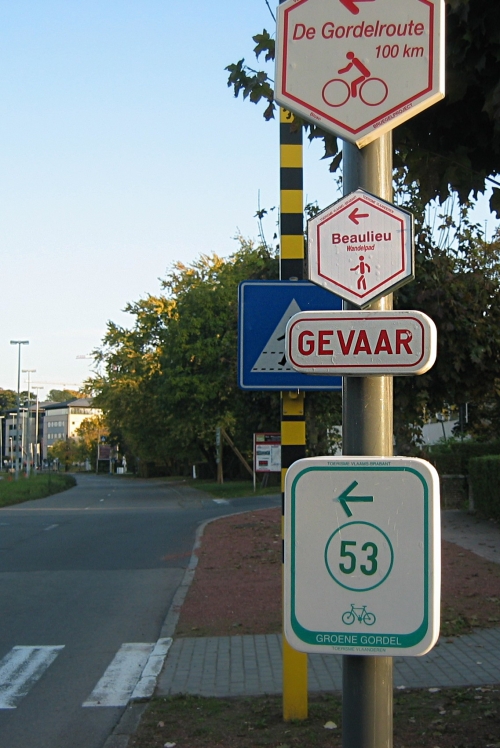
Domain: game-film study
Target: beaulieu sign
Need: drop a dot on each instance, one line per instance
(359, 68)
(361, 248)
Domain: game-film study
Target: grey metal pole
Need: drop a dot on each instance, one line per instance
(19, 451)
(368, 430)
(28, 423)
(1, 443)
(19, 343)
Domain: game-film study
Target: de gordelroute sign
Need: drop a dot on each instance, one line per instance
(359, 68)
(362, 555)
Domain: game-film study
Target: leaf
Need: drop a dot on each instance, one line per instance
(330, 726)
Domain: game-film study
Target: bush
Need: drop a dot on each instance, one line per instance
(484, 480)
(453, 457)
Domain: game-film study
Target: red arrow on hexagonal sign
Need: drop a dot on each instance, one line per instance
(358, 68)
(361, 263)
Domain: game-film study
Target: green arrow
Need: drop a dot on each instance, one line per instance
(344, 498)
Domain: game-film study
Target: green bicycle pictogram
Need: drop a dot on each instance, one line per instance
(358, 613)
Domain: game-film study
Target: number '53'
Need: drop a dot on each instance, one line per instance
(369, 558)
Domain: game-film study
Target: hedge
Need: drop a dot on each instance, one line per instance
(453, 458)
(484, 481)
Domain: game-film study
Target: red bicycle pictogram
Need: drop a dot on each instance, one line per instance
(371, 91)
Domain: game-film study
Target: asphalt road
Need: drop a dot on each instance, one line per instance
(81, 574)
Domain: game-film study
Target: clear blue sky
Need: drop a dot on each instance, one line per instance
(123, 151)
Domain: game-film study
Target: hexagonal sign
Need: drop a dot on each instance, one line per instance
(361, 248)
(359, 68)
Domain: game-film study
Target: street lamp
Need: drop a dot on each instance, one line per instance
(28, 424)
(1, 443)
(36, 425)
(19, 343)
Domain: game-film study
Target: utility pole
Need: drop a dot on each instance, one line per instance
(19, 343)
(1, 442)
(28, 423)
(36, 460)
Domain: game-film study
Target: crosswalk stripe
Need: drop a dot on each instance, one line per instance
(20, 669)
(116, 686)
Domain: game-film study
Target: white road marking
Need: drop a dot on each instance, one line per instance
(20, 669)
(220, 501)
(51, 527)
(121, 677)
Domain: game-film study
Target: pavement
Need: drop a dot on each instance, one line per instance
(252, 665)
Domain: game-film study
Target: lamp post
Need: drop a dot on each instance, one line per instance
(19, 343)
(36, 425)
(28, 423)
(1, 443)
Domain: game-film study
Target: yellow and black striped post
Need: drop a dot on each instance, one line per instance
(293, 429)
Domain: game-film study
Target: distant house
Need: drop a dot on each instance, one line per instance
(61, 420)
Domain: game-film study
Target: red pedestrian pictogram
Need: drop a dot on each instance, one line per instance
(363, 268)
(371, 91)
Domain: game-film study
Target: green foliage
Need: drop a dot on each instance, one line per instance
(89, 432)
(61, 396)
(34, 487)
(458, 285)
(454, 457)
(455, 144)
(8, 400)
(484, 478)
(67, 451)
(171, 379)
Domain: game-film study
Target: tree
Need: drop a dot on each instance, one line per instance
(171, 379)
(458, 286)
(61, 396)
(66, 451)
(8, 400)
(89, 433)
(454, 146)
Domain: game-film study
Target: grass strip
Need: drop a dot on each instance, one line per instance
(435, 718)
(35, 487)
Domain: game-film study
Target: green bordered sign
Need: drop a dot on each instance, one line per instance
(362, 555)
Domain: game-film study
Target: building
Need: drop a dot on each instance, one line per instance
(40, 426)
(61, 420)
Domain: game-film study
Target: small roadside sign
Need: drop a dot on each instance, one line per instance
(361, 248)
(358, 68)
(264, 308)
(362, 555)
(354, 343)
(267, 452)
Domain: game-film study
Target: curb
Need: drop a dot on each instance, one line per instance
(130, 719)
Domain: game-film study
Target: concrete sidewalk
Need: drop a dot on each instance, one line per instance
(251, 665)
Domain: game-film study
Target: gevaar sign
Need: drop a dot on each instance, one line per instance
(359, 68)
(361, 248)
(351, 343)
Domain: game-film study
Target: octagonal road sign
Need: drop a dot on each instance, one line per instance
(361, 343)
(359, 68)
(362, 555)
(361, 248)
